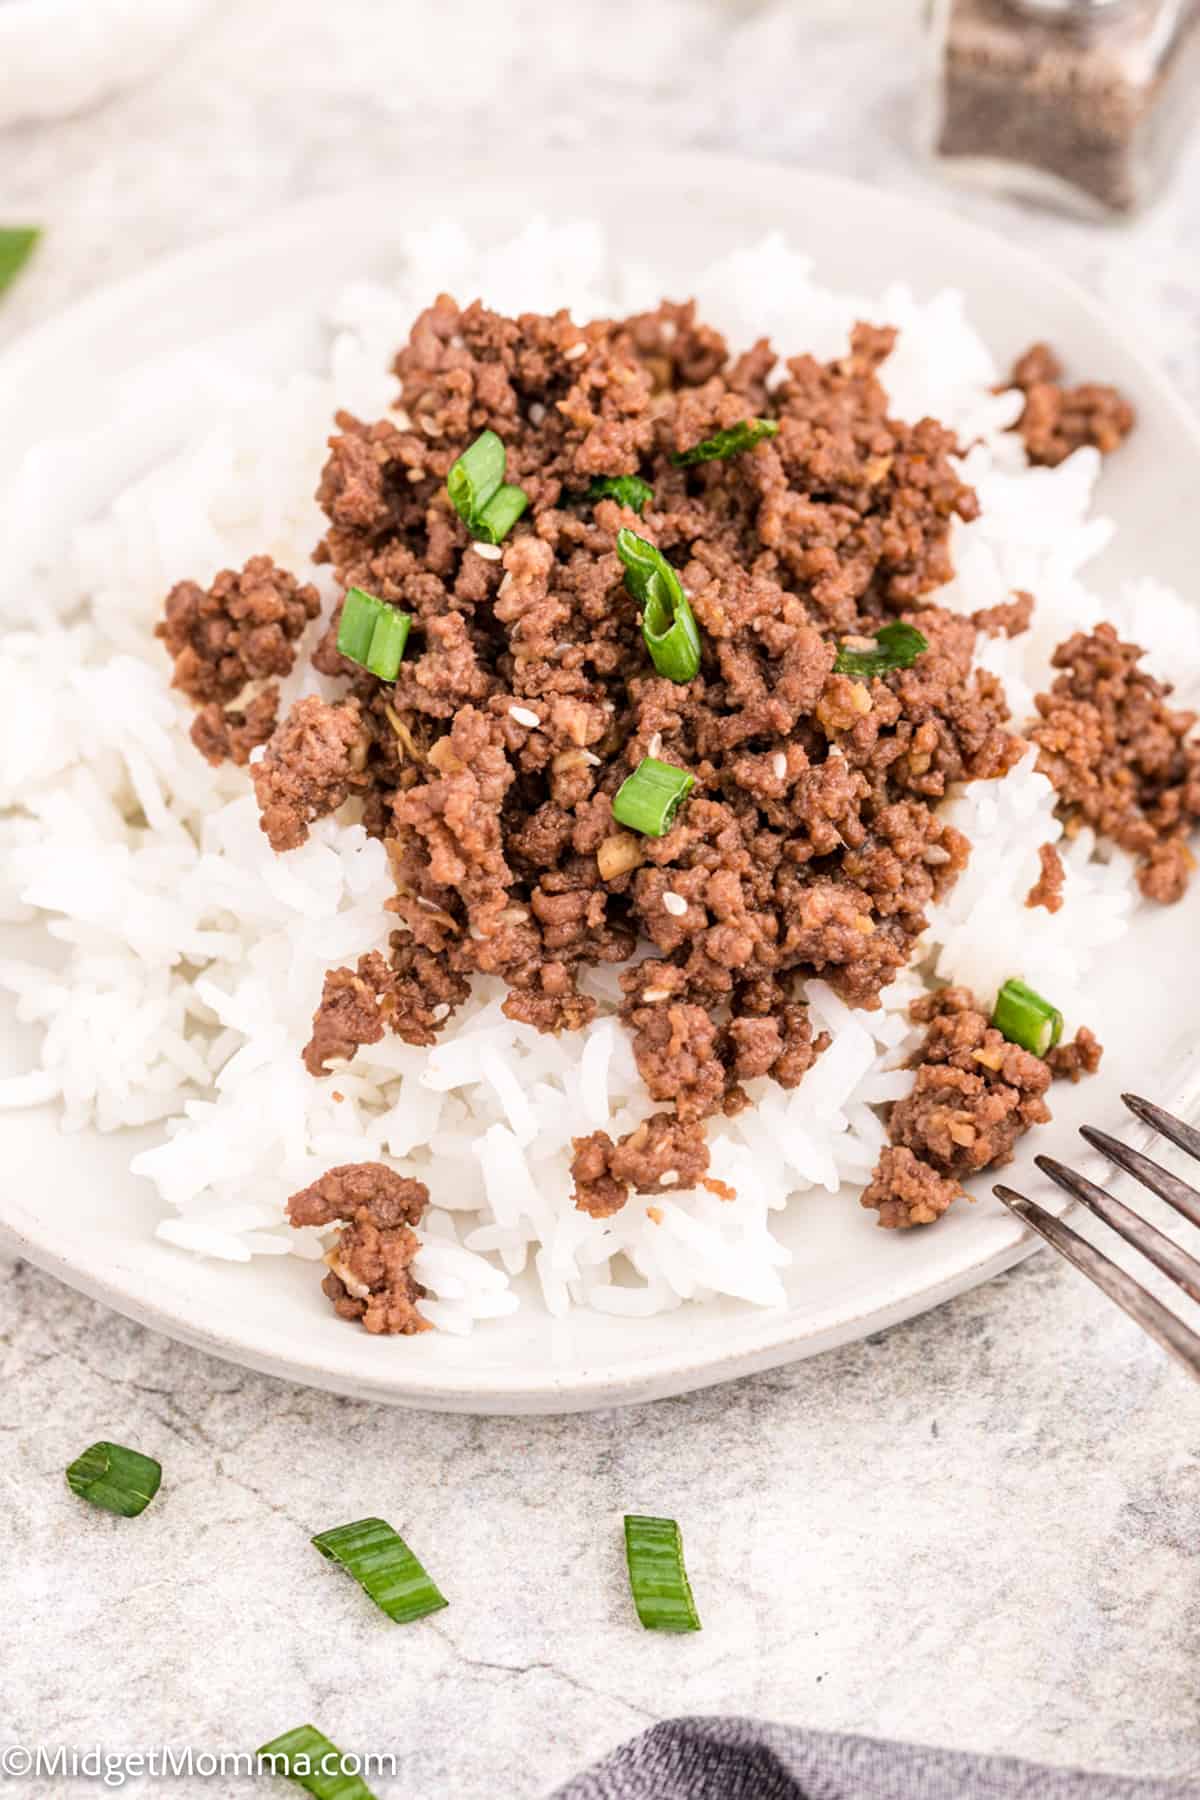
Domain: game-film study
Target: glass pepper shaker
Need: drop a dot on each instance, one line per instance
(1081, 104)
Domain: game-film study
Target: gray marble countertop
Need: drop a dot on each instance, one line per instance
(977, 1530)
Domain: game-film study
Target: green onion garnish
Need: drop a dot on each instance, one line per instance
(476, 476)
(668, 622)
(897, 646)
(120, 1480)
(307, 1757)
(16, 247)
(372, 633)
(661, 1590)
(648, 800)
(1024, 1018)
(727, 443)
(487, 505)
(382, 1563)
(501, 513)
(626, 490)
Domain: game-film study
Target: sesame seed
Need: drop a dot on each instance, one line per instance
(537, 413)
(674, 903)
(654, 747)
(441, 1010)
(416, 474)
(489, 552)
(576, 351)
(505, 584)
(590, 757)
(257, 754)
(779, 765)
(666, 331)
(668, 1178)
(523, 716)
(652, 994)
(402, 417)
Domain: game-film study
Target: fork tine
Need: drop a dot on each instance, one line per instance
(1186, 1136)
(1152, 1175)
(1170, 1333)
(1154, 1244)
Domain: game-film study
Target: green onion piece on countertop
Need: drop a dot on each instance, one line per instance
(648, 800)
(384, 1566)
(476, 476)
(1024, 1018)
(118, 1479)
(668, 622)
(16, 247)
(661, 1590)
(723, 444)
(372, 633)
(494, 522)
(626, 490)
(306, 1756)
(897, 646)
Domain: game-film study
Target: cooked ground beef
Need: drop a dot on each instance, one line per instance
(315, 759)
(1008, 619)
(242, 629)
(1047, 889)
(975, 1094)
(1058, 419)
(1080, 1057)
(809, 844)
(369, 1275)
(1123, 761)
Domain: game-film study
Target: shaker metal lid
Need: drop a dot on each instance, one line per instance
(1040, 9)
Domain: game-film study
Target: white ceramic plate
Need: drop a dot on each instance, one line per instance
(69, 1204)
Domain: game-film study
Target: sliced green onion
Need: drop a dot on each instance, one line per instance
(387, 643)
(306, 1756)
(661, 1590)
(384, 1566)
(727, 443)
(120, 1480)
(16, 247)
(372, 633)
(897, 646)
(476, 476)
(1024, 1018)
(626, 490)
(668, 622)
(500, 514)
(648, 800)
(361, 612)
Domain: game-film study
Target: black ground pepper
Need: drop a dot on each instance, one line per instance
(1083, 103)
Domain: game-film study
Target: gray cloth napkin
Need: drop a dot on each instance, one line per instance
(748, 1759)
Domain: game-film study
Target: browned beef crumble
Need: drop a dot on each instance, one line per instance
(809, 844)
(369, 1275)
(1008, 619)
(314, 761)
(1058, 419)
(1123, 761)
(243, 628)
(1047, 889)
(975, 1094)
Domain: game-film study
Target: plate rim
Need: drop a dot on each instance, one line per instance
(782, 1336)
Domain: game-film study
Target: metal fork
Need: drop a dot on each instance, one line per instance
(1176, 1338)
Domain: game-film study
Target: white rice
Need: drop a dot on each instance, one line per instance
(186, 957)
